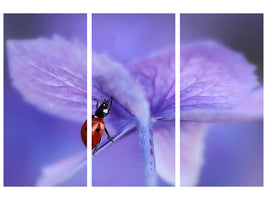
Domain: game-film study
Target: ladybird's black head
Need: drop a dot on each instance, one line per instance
(104, 104)
(104, 108)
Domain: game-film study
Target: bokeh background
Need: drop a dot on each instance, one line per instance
(126, 38)
(233, 152)
(32, 138)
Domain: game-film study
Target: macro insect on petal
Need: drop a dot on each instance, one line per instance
(98, 124)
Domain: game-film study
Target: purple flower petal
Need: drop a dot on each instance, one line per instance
(50, 74)
(214, 81)
(250, 109)
(156, 77)
(217, 85)
(60, 171)
(113, 80)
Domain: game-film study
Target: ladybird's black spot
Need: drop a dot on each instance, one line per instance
(85, 129)
(98, 130)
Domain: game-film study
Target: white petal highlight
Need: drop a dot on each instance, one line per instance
(60, 171)
(164, 143)
(191, 151)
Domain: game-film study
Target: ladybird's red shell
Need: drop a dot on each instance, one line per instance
(84, 133)
(98, 128)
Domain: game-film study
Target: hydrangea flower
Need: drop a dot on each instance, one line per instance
(218, 85)
(144, 98)
(50, 74)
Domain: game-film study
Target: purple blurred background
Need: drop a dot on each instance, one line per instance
(125, 38)
(233, 152)
(33, 139)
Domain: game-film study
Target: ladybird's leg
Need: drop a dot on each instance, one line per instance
(96, 102)
(96, 147)
(110, 99)
(109, 137)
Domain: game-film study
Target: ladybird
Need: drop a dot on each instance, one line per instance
(98, 124)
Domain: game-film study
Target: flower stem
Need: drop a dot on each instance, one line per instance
(148, 155)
